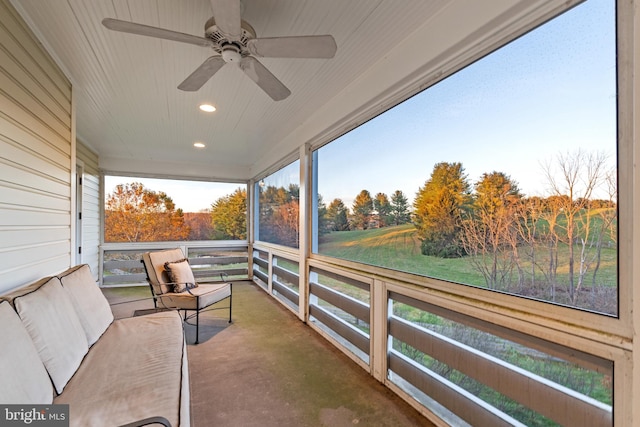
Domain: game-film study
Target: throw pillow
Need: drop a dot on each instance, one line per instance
(180, 275)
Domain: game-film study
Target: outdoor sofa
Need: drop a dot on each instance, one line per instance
(61, 345)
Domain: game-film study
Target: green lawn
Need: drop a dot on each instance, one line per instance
(398, 248)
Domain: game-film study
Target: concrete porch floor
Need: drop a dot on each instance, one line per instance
(269, 369)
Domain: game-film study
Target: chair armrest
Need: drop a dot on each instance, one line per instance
(223, 279)
(148, 421)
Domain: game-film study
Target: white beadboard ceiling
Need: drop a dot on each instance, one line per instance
(128, 107)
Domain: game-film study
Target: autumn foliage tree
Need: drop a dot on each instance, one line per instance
(134, 213)
(200, 225)
(279, 215)
(286, 224)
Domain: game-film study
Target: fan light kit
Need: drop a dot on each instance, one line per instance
(208, 108)
(234, 42)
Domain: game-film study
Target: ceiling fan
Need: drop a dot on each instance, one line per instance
(235, 42)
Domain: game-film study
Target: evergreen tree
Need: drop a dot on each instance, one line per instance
(229, 216)
(383, 209)
(438, 210)
(337, 216)
(362, 210)
(399, 208)
(324, 225)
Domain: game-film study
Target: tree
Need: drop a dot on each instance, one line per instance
(229, 216)
(438, 210)
(362, 210)
(551, 215)
(134, 213)
(490, 230)
(572, 180)
(286, 224)
(337, 216)
(324, 225)
(399, 208)
(383, 209)
(279, 215)
(606, 231)
(529, 219)
(199, 224)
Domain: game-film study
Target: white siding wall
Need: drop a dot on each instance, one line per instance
(90, 207)
(35, 157)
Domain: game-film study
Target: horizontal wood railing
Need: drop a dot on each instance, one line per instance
(210, 260)
(407, 340)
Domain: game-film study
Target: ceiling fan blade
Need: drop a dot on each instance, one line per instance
(202, 74)
(293, 47)
(263, 78)
(226, 13)
(160, 33)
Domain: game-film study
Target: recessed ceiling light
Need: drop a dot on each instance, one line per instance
(198, 145)
(207, 108)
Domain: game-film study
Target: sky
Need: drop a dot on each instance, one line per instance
(549, 92)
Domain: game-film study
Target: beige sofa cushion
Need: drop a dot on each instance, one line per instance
(134, 371)
(90, 304)
(206, 294)
(48, 315)
(23, 376)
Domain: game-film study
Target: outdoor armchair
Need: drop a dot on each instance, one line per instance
(173, 286)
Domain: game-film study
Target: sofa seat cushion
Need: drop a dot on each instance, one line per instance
(48, 315)
(24, 378)
(133, 371)
(90, 304)
(207, 293)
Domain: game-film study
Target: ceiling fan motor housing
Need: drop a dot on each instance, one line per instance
(232, 51)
